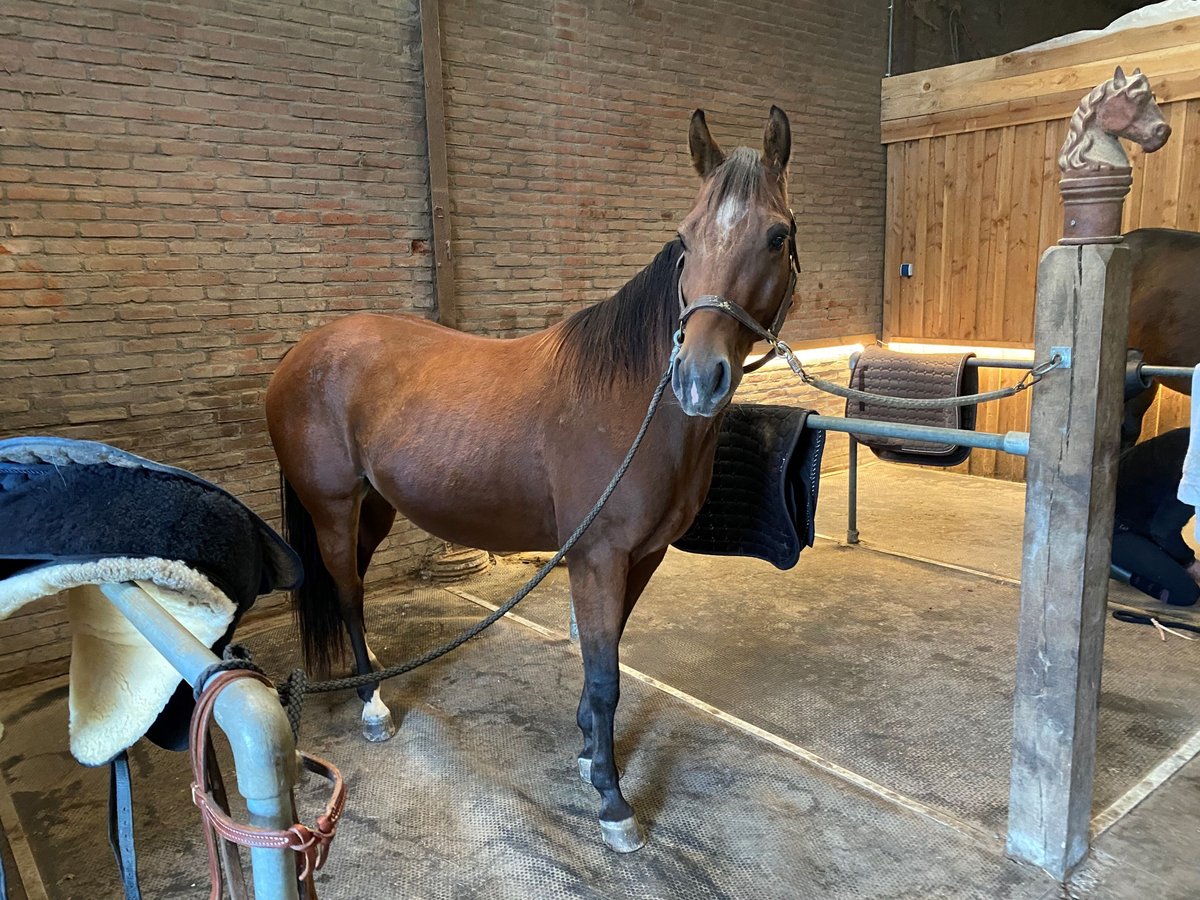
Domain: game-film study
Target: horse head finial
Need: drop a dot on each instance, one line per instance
(1096, 173)
(1122, 107)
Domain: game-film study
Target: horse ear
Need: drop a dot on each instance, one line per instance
(777, 140)
(1119, 78)
(706, 155)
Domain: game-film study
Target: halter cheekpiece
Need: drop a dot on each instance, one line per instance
(720, 304)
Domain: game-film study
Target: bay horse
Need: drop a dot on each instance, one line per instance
(506, 444)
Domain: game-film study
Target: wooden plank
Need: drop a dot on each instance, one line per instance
(894, 216)
(959, 216)
(1129, 42)
(1021, 256)
(1051, 203)
(1168, 89)
(1083, 303)
(974, 212)
(983, 462)
(909, 298)
(1188, 215)
(941, 225)
(1079, 79)
(439, 185)
(1161, 174)
(912, 310)
(1131, 214)
(989, 219)
(992, 327)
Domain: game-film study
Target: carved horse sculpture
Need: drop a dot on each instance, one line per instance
(506, 444)
(1164, 306)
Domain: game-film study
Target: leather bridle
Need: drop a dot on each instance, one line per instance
(720, 304)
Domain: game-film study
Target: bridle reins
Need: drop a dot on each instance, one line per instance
(721, 305)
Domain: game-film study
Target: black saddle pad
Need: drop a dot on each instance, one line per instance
(75, 501)
(763, 498)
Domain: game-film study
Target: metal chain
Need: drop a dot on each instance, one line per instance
(1032, 377)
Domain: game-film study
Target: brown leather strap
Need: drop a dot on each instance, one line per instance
(311, 844)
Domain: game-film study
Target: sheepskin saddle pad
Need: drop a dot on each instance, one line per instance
(762, 501)
(78, 514)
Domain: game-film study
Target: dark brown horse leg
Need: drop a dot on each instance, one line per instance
(603, 592)
(339, 534)
(375, 519)
(639, 576)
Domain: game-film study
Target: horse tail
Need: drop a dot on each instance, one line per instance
(315, 602)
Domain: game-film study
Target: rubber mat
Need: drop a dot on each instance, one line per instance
(895, 670)
(477, 795)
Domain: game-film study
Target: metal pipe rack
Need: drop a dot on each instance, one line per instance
(1145, 370)
(249, 713)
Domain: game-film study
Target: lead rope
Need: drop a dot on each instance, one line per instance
(1028, 380)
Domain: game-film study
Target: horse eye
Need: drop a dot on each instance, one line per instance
(777, 241)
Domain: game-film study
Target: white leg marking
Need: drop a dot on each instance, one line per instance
(375, 708)
(372, 657)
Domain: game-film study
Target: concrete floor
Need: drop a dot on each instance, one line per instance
(840, 730)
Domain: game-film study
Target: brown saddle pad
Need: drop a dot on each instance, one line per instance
(914, 375)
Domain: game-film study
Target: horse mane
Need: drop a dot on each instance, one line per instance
(626, 338)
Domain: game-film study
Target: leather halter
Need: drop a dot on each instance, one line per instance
(310, 844)
(720, 304)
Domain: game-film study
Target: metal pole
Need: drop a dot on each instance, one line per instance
(852, 495)
(250, 715)
(1022, 364)
(1014, 442)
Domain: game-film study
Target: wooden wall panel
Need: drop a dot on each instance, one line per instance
(973, 196)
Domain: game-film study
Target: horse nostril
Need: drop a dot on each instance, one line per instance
(1162, 131)
(720, 382)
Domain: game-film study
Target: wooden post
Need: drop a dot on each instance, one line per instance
(1083, 304)
(439, 188)
(1082, 310)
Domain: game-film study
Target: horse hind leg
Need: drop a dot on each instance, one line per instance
(339, 532)
(375, 520)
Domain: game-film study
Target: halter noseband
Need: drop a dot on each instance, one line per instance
(720, 304)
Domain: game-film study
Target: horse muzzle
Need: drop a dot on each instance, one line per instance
(1158, 135)
(703, 383)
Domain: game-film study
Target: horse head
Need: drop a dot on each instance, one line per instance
(738, 259)
(1130, 112)
(1122, 107)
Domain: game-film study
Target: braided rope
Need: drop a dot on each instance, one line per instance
(1032, 377)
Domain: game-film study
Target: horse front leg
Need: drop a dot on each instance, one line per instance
(599, 588)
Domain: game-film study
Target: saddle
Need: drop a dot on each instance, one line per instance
(76, 514)
(762, 501)
(913, 375)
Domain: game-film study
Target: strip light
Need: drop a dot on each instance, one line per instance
(811, 354)
(1015, 353)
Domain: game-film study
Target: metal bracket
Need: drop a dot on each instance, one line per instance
(1064, 354)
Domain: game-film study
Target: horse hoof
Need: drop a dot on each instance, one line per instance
(624, 836)
(378, 729)
(585, 770)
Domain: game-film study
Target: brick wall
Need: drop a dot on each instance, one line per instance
(184, 190)
(567, 144)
